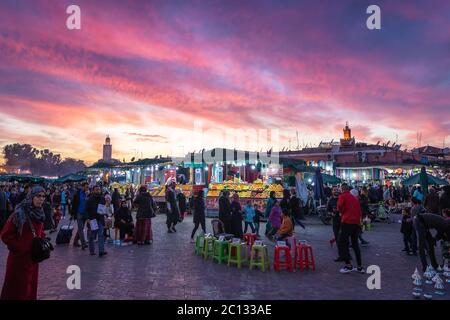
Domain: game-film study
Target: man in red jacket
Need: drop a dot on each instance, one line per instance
(350, 210)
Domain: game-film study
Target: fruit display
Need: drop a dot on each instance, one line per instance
(276, 187)
(246, 190)
(160, 191)
(213, 193)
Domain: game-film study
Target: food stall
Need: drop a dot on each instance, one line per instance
(258, 192)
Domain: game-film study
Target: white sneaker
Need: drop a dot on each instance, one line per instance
(346, 269)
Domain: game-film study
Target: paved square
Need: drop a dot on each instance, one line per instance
(168, 269)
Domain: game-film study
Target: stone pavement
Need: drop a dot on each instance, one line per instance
(168, 269)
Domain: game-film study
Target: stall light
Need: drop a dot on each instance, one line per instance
(253, 167)
(206, 168)
(309, 180)
(354, 175)
(148, 168)
(114, 172)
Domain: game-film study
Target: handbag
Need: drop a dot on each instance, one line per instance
(41, 247)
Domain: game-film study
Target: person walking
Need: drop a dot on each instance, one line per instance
(350, 211)
(22, 273)
(199, 214)
(173, 212)
(249, 214)
(146, 211)
(257, 219)
(96, 222)
(79, 214)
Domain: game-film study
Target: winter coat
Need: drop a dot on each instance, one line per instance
(199, 210)
(145, 204)
(21, 278)
(173, 212)
(92, 206)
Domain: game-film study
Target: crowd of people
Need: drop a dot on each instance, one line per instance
(98, 209)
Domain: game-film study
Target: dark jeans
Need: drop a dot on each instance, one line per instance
(336, 227)
(407, 241)
(349, 231)
(203, 223)
(251, 226)
(81, 221)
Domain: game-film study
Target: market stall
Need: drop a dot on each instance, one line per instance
(257, 192)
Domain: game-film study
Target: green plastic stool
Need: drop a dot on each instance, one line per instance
(220, 251)
(259, 257)
(208, 246)
(237, 257)
(199, 244)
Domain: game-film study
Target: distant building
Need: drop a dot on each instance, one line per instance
(107, 150)
(353, 160)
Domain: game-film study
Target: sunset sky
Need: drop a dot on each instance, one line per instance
(142, 71)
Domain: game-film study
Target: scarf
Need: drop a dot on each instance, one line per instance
(26, 209)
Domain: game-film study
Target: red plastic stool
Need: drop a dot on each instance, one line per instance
(304, 257)
(277, 263)
(250, 238)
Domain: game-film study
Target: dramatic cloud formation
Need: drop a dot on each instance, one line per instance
(147, 71)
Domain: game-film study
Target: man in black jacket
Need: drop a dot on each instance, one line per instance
(96, 221)
(78, 213)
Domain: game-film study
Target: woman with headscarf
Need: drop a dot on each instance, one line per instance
(21, 278)
(123, 221)
(236, 217)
